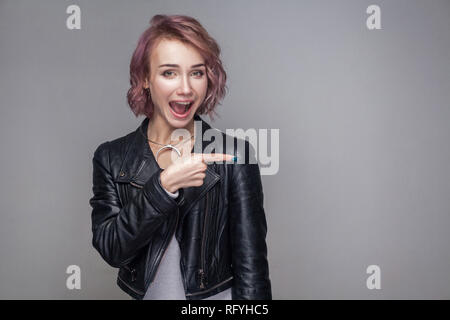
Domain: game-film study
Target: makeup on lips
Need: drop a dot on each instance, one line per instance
(181, 109)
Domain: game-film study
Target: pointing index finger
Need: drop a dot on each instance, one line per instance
(218, 157)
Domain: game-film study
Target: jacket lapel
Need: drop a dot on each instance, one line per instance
(140, 164)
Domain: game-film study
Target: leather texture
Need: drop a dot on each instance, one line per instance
(220, 226)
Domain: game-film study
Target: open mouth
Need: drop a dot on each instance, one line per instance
(179, 109)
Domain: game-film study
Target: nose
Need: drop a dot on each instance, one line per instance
(185, 86)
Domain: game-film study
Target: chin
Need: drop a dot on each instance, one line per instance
(175, 123)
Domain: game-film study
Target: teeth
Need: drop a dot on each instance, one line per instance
(185, 103)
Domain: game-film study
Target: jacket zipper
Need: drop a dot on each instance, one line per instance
(158, 259)
(202, 292)
(202, 255)
(137, 174)
(131, 288)
(140, 168)
(132, 272)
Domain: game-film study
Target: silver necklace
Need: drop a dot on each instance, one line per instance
(165, 146)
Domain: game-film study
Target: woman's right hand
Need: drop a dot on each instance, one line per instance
(189, 171)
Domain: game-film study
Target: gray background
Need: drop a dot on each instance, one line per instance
(364, 127)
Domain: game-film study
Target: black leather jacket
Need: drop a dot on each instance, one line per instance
(220, 226)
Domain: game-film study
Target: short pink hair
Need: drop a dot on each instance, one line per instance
(189, 31)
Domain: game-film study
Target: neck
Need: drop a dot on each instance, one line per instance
(159, 130)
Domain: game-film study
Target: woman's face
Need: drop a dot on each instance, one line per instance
(177, 74)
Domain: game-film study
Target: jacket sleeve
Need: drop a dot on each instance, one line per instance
(248, 230)
(119, 232)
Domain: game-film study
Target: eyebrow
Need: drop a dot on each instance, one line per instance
(177, 66)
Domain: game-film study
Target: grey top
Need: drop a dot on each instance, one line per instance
(168, 281)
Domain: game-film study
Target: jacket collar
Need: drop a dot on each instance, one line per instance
(140, 164)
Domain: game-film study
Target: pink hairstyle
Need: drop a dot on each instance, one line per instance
(189, 31)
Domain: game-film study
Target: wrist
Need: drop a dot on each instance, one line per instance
(165, 182)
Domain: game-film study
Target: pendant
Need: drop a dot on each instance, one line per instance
(168, 146)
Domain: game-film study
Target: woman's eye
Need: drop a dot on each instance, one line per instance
(199, 73)
(171, 73)
(165, 73)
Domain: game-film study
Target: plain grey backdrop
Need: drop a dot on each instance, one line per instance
(364, 176)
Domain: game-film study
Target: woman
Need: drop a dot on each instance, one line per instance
(179, 224)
